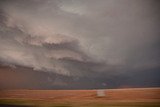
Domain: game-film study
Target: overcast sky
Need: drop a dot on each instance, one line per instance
(80, 43)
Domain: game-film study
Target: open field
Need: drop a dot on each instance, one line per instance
(131, 97)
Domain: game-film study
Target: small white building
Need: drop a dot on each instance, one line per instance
(101, 93)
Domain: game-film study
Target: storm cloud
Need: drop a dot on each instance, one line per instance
(85, 39)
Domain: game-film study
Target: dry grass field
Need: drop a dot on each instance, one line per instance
(131, 97)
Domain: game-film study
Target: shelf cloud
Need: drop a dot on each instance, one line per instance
(86, 38)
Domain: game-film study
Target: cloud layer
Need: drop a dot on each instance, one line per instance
(80, 38)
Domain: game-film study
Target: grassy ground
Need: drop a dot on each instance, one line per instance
(149, 97)
(33, 103)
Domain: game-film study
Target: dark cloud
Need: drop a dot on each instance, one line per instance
(88, 41)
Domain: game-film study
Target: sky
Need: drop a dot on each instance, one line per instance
(79, 44)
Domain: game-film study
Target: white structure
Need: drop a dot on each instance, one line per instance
(101, 93)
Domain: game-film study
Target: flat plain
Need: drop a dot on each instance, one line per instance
(127, 97)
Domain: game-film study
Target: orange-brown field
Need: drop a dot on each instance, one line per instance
(131, 97)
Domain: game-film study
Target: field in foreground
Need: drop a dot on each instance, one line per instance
(131, 97)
